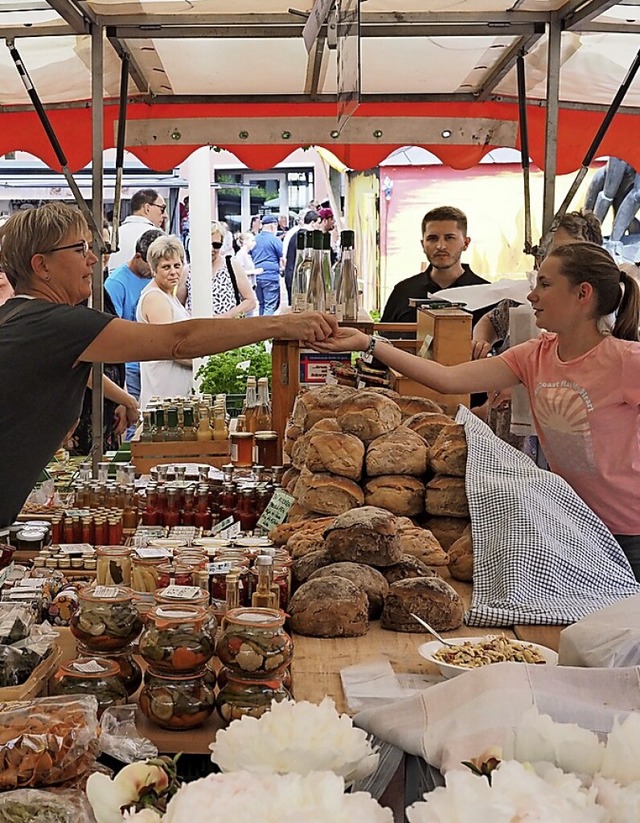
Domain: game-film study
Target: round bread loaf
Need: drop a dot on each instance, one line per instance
(316, 404)
(401, 451)
(448, 455)
(447, 530)
(329, 607)
(280, 534)
(461, 557)
(335, 452)
(420, 543)
(290, 479)
(406, 568)
(304, 542)
(415, 405)
(306, 565)
(368, 414)
(298, 514)
(370, 580)
(364, 535)
(400, 494)
(428, 424)
(328, 493)
(301, 446)
(390, 393)
(446, 496)
(429, 597)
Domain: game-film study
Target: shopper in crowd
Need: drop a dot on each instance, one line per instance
(267, 255)
(124, 287)
(309, 222)
(582, 377)
(256, 224)
(6, 289)
(48, 341)
(148, 211)
(158, 304)
(444, 240)
(246, 242)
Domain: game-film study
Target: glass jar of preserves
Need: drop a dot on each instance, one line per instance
(240, 697)
(254, 644)
(145, 573)
(179, 595)
(176, 701)
(107, 619)
(91, 676)
(129, 671)
(113, 566)
(31, 539)
(177, 638)
(267, 452)
(218, 571)
(242, 449)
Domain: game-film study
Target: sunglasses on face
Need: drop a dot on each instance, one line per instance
(160, 206)
(216, 244)
(80, 246)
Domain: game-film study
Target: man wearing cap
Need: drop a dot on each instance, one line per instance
(267, 255)
(148, 211)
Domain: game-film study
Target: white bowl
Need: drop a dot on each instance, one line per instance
(428, 650)
(253, 542)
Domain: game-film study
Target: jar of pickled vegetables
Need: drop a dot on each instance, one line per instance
(177, 638)
(107, 619)
(145, 573)
(239, 697)
(254, 644)
(129, 671)
(176, 701)
(113, 566)
(91, 676)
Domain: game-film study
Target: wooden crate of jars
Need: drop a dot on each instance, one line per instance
(146, 455)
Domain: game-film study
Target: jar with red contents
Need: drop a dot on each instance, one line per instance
(218, 572)
(202, 514)
(228, 500)
(188, 512)
(246, 510)
(171, 515)
(150, 515)
(280, 579)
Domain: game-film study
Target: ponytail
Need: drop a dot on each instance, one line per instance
(628, 314)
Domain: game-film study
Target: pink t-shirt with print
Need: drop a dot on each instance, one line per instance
(587, 415)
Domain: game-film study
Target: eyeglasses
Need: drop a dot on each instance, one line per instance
(160, 206)
(81, 246)
(216, 244)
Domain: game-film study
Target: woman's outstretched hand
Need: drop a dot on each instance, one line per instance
(343, 339)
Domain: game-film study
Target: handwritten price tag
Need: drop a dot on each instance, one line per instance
(276, 511)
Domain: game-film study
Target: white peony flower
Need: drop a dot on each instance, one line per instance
(621, 759)
(621, 802)
(243, 797)
(143, 816)
(298, 737)
(566, 745)
(108, 797)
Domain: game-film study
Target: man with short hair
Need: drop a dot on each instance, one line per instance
(267, 255)
(309, 222)
(148, 211)
(124, 287)
(444, 239)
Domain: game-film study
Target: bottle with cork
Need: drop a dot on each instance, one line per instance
(250, 405)
(263, 411)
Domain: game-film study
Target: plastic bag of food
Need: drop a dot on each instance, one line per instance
(119, 737)
(36, 806)
(47, 741)
(16, 621)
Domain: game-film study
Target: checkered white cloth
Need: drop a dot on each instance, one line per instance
(540, 555)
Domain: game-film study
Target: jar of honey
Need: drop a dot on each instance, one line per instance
(242, 449)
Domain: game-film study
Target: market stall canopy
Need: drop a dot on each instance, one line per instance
(236, 74)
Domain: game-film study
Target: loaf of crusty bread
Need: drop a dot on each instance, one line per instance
(290, 479)
(408, 567)
(291, 433)
(328, 493)
(368, 415)
(335, 452)
(305, 542)
(401, 451)
(365, 535)
(420, 543)
(303, 567)
(329, 607)
(400, 494)
(316, 404)
(448, 455)
(446, 496)
(301, 446)
(428, 424)
(390, 393)
(447, 530)
(298, 513)
(429, 597)
(415, 405)
(461, 557)
(279, 535)
(370, 580)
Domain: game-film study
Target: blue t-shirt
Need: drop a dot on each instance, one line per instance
(267, 253)
(124, 289)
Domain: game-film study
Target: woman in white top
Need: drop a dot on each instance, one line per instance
(158, 304)
(247, 241)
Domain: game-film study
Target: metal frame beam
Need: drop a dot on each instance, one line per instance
(314, 66)
(71, 14)
(135, 71)
(551, 127)
(507, 62)
(47, 30)
(585, 12)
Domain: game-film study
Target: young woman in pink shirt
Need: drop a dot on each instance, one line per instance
(582, 377)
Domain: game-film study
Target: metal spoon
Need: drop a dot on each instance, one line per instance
(433, 631)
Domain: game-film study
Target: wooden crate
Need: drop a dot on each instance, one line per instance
(146, 455)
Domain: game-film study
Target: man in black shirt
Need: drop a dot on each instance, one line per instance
(444, 239)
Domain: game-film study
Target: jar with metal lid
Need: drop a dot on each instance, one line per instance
(267, 452)
(113, 566)
(31, 539)
(91, 676)
(254, 643)
(107, 618)
(44, 525)
(240, 696)
(177, 701)
(242, 449)
(177, 638)
(145, 573)
(129, 671)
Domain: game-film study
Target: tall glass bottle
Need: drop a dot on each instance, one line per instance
(316, 291)
(204, 429)
(263, 413)
(146, 435)
(346, 280)
(250, 405)
(219, 430)
(172, 432)
(304, 248)
(158, 433)
(189, 426)
(327, 273)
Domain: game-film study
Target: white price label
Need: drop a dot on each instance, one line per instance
(172, 614)
(220, 567)
(32, 582)
(182, 592)
(233, 531)
(150, 553)
(222, 525)
(276, 511)
(105, 591)
(90, 667)
(75, 548)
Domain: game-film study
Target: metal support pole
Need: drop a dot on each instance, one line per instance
(551, 131)
(122, 126)
(524, 150)
(97, 172)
